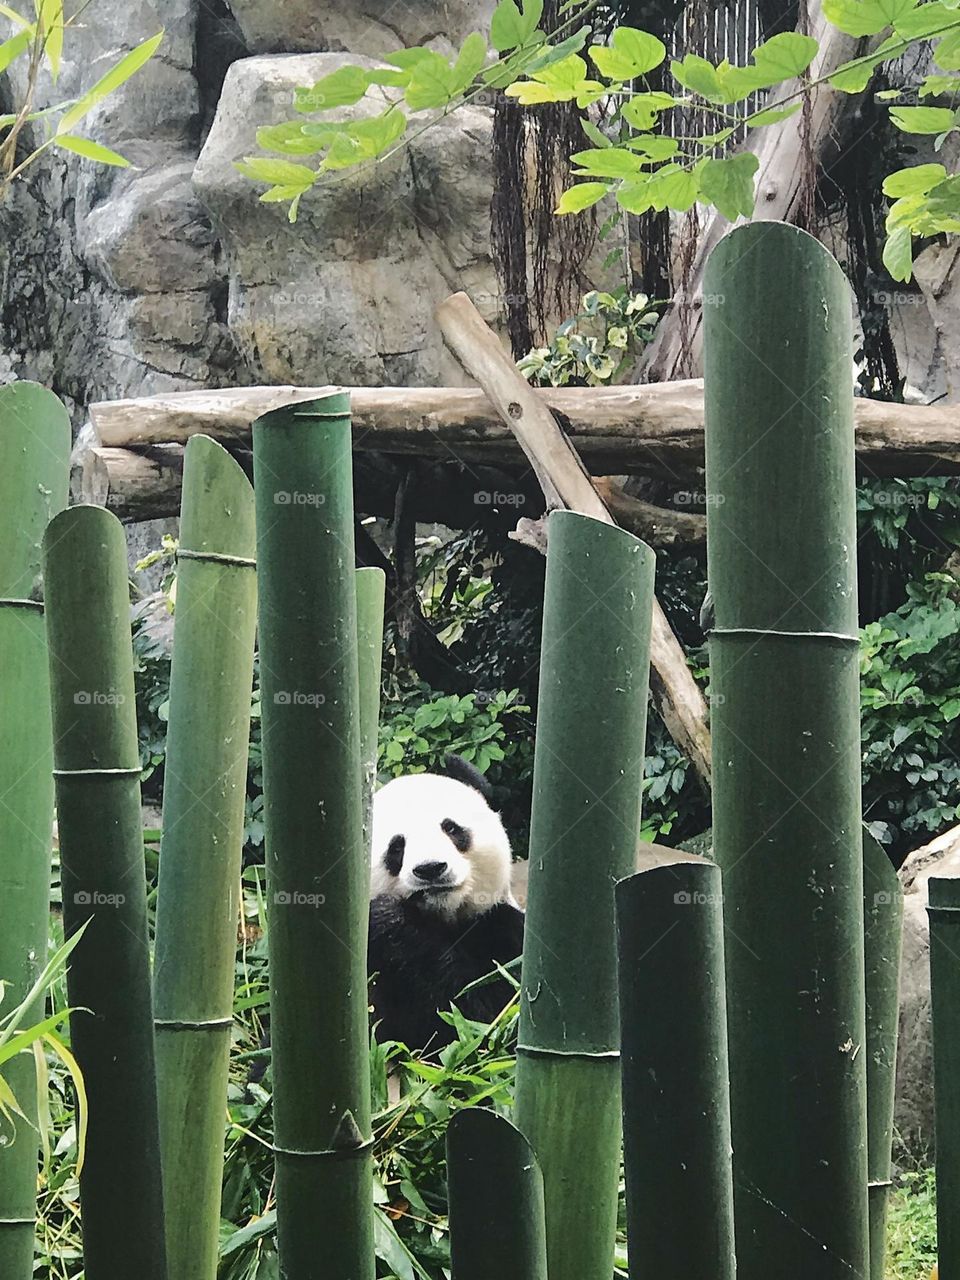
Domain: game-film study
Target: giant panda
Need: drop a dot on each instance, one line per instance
(442, 913)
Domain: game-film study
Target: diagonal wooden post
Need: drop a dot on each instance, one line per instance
(566, 483)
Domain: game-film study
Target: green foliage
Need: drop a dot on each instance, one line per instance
(910, 715)
(643, 172)
(912, 1226)
(38, 45)
(418, 729)
(598, 345)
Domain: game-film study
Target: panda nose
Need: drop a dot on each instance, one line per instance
(430, 871)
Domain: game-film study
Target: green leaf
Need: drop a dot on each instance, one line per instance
(341, 88)
(922, 119)
(128, 65)
(634, 195)
(14, 47)
(91, 150)
(631, 53)
(947, 52)
(654, 146)
(865, 17)
(583, 196)
(643, 109)
(557, 82)
(728, 184)
(509, 27)
(295, 139)
(596, 136)
(785, 56)
(898, 254)
(773, 115)
(926, 20)
(365, 139)
(674, 187)
(699, 76)
(611, 162)
(50, 25)
(853, 77)
(551, 54)
(918, 179)
(17, 19)
(282, 173)
(936, 86)
(470, 62)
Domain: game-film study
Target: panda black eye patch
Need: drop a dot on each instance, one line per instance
(460, 836)
(393, 858)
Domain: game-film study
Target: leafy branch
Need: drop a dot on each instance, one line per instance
(633, 161)
(39, 43)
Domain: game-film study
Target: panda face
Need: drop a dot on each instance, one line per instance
(438, 838)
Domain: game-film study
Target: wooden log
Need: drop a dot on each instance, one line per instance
(566, 483)
(780, 182)
(655, 430)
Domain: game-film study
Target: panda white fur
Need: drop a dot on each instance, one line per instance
(442, 913)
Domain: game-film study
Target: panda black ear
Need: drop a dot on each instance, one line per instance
(461, 770)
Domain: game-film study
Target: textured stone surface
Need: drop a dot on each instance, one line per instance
(346, 294)
(366, 26)
(914, 1113)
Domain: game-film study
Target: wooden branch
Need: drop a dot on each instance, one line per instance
(565, 482)
(654, 430)
(780, 150)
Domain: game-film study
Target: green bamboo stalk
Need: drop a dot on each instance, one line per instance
(676, 1104)
(496, 1200)
(371, 585)
(34, 472)
(883, 927)
(944, 912)
(584, 830)
(203, 813)
(317, 866)
(97, 760)
(782, 543)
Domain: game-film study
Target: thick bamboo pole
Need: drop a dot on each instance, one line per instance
(97, 774)
(944, 910)
(317, 866)
(496, 1200)
(203, 810)
(34, 468)
(585, 822)
(676, 1102)
(371, 586)
(786, 748)
(883, 927)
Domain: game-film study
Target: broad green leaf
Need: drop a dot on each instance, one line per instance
(918, 179)
(785, 56)
(295, 139)
(922, 119)
(583, 196)
(128, 66)
(341, 88)
(431, 85)
(596, 136)
(643, 109)
(612, 162)
(865, 17)
(630, 54)
(673, 187)
(713, 139)
(634, 195)
(14, 47)
(509, 27)
(926, 20)
(729, 185)
(50, 25)
(898, 254)
(556, 82)
(407, 59)
(935, 86)
(554, 53)
(699, 76)
(281, 173)
(470, 62)
(390, 79)
(280, 195)
(91, 150)
(947, 52)
(773, 115)
(365, 139)
(654, 146)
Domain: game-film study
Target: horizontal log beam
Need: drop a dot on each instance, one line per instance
(655, 429)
